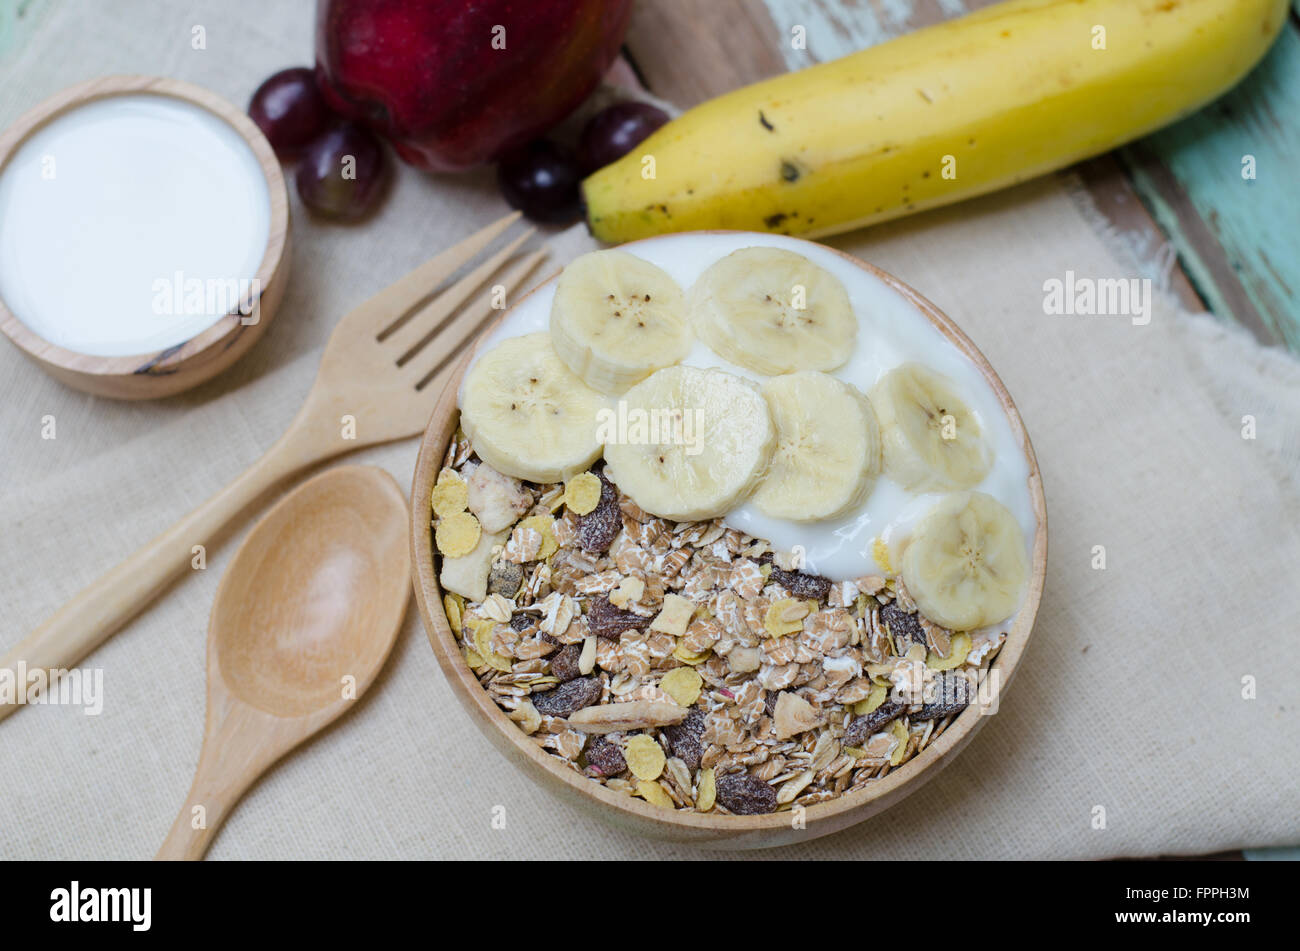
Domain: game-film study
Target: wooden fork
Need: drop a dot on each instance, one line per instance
(383, 368)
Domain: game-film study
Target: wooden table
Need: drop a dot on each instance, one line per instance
(1176, 198)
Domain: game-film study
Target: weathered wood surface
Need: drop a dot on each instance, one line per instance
(1237, 242)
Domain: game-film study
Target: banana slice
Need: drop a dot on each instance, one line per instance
(965, 564)
(827, 453)
(933, 441)
(616, 319)
(774, 311)
(691, 443)
(527, 414)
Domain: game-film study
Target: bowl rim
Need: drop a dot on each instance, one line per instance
(230, 325)
(821, 818)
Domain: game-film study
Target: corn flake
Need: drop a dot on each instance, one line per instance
(454, 605)
(450, 494)
(644, 757)
(957, 654)
(654, 794)
(900, 734)
(874, 699)
(707, 792)
(582, 493)
(683, 685)
(785, 617)
(457, 535)
(546, 525)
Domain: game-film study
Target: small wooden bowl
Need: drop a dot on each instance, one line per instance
(177, 368)
(714, 829)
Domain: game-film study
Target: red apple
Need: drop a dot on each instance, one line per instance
(455, 84)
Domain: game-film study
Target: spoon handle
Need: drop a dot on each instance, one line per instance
(99, 610)
(239, 743)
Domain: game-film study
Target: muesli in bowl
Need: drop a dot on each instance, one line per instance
(730, 526)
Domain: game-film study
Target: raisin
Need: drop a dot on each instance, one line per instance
(505, 579)
(599, 527)
(949, 694)
(604, 757)
(568, 698)
(802, 585)
(606, 620)
(903, 626)
(745, 795)
(564, 663)
(871, 723)
(684, 739)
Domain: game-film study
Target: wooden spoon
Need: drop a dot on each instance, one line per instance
(304, 619)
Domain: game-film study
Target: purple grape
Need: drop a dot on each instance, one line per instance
(541, 180)
(613, 132)
(342, 172)
(289, 109)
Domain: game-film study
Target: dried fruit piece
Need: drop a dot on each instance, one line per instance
(605, 620)
(497, 499)
(546, 526)
(505, 578)
(522, 622)
(587, 655)
(785, 617)
(744, 660)
(564, 662)
(605, 757)
(802, 585)
(602, 524)
(644, 757)
(744, 795)
(582, 493)
(958, 651)
(873, 722)
(905, 628)
(654, 794)
(684, 739)
(526, 716)
(683, 685)
(628, 591)
(620, 717)
(675, 617)
(706, 791)
(450, 494)
(467, 576)
(794, 715)
(568, 698)
(457, 535)
(948, 693)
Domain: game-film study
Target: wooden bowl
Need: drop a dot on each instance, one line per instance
(177, 368)
(713, 829)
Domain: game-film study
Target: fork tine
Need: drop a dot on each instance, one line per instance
(410, 289)
(447, 346)
(407, 337)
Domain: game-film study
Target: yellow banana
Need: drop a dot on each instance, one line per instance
(958, 109)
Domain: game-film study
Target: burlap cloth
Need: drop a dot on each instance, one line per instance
(1129, 698)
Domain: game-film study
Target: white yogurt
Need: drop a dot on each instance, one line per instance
(126, 224)
(890, 331)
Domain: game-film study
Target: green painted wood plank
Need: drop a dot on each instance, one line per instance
(1250, 266)
(17, 20)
